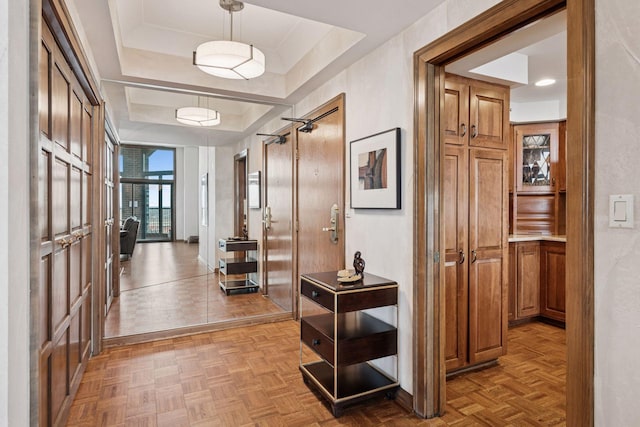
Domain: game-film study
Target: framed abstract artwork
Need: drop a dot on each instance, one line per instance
(375, 171)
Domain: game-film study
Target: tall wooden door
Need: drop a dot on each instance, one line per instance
(278, 222)
(65, 209)
(488, 252)
(455, 219)
(109, 223)
(320, 187)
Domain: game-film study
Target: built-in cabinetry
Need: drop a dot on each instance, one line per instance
(339, 340)
(475, 194)
(536, 279)
(237, 262)
(538, 178)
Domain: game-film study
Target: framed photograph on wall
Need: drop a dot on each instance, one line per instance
(254, 190)
(375, 171)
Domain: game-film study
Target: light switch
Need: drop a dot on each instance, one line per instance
(621, 211)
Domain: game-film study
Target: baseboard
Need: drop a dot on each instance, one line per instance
(404, 399)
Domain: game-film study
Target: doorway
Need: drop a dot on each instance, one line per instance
(496, 22)
(240, 194)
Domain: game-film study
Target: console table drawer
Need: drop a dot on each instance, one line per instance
(314, 332)
(317, 294)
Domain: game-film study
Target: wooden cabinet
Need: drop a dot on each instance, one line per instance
(475, 203)
(552, 284)
(237, 263)
(539, 162)
(339, 340)
(524, 276)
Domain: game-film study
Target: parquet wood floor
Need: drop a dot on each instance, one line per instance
(164, 286)
(249, 377)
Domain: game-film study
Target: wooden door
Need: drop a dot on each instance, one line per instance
(240, 193)
(110, 222)
(455, 219)
(512, 282)
(488, 115)
(488, 254)
(65, 208)
(278, 225)
(552, 284)
(320, 185)
(456, 110)
(528, 281)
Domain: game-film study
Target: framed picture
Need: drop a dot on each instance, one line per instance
(253, 180)
(375, 171)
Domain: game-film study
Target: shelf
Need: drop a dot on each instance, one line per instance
(352, 380)
(246, 285)
(238, 266)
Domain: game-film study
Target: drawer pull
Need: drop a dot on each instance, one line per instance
(315, 342)
(315, 294)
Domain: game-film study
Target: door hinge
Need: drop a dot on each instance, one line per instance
(436, 257)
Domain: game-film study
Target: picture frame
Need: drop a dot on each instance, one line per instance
(375, 171)
(253, 190)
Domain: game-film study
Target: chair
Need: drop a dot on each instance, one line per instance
(128, 236)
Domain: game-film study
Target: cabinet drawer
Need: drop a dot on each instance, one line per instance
(362, 337)
(237, 245)
(317, 294)
(314, 332)
(241, 266)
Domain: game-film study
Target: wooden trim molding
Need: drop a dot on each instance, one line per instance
(429, 372)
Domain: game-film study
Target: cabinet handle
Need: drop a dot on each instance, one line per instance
(553, 182)
(474, 257)
(315, 294)
(474, 131)
(461, 261)
(315, 342)
(463, 127)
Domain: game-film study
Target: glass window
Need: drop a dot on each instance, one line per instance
(154, 163)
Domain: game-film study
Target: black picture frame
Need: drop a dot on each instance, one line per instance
(375, 175)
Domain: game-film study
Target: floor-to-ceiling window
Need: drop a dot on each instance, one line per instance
(147, 190)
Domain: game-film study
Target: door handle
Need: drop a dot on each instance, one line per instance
(474, 131)
(473, 256)
(463, 127)
(267, 221)
(333, 228)
(461, 261)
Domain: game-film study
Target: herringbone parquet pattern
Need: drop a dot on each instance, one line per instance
(249, 377)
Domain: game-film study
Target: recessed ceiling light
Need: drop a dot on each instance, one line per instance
(545, 82)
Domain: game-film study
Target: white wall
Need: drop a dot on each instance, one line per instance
(14, 213)
(543, 111)
(187, 184)
(617, 270)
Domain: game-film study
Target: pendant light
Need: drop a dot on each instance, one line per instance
(198, 116)
(227, 58)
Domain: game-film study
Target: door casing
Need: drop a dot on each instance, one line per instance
(505, 17)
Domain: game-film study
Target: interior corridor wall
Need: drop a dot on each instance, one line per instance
(14, 213)
(617, 270)
(186, 188)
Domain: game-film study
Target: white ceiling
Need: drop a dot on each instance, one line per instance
(142, 50)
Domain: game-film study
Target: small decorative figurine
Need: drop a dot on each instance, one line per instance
(358, 264)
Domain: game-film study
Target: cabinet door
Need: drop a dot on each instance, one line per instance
(455, 196)
(489, 116)
(456, 111)
(488, 254)
(536, 157)
(552, 272)
(528, 279)
(512, 282)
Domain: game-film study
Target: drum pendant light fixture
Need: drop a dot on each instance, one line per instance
(227, 58)
(198, 116)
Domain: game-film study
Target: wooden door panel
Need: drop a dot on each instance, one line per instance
(488, 202)
(43, 332)
(279, 202)
(552, 284)
(76, 199)
(75, 275)
(87, 139)
(455, 216)
(486, 309)
(75, 130)
(456, 106)
(60, 107)
(44, 85)
(528, 279)
(44, 186)
(60, 196)
(489, 117)
(59, 291)
(86, 199)
(75, 360)
(59, 374)
(320, 184)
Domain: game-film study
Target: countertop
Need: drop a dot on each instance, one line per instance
(536, 238)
